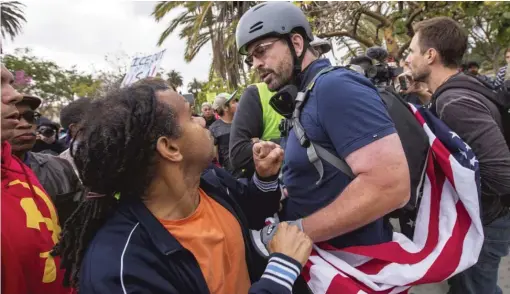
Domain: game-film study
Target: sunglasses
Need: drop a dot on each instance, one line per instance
(30, 117)
(259, 51)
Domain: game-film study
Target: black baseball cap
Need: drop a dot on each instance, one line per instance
(33, 101)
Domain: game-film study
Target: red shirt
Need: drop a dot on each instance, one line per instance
(30, 229)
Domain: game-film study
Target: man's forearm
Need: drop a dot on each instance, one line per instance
(361, 203)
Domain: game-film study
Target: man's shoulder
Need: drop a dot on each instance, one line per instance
(250, 97)
(344, 88)
(251, 92)
(460, 101)
(214, 125)
(50, 160)
(343, 77)
(343, 82)
(120, 248)
(456, 93)
(118, 232)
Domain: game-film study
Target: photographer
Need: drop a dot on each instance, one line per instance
(47, 140)
(379, 71)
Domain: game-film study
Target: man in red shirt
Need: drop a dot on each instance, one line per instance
(30, 226)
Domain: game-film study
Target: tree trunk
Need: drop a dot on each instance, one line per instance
(216, 40)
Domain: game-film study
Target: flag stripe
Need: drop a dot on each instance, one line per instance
(443, 159)
(449, 258)
(448, 233)
(392, 251)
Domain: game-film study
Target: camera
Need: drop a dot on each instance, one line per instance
(375, 66)
(47, 132)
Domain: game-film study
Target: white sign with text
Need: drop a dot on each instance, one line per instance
(143, 67)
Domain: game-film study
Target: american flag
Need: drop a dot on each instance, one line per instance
(448, 232)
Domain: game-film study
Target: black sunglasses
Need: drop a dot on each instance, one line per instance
(30, 117)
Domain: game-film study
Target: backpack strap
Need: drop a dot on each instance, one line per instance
(334, 160)
(314, 151)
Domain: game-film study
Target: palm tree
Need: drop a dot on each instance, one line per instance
(11, 16)
(174, 79)
(195, 86)
(208, 21)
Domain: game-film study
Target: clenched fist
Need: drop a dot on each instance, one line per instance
(291, 241)
(268, 158)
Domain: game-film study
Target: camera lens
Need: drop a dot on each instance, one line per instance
(46, 131)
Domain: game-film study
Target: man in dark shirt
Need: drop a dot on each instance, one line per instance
(225, 106)
(255, 120)
(436, 51)
(345, 115)
(208, 114)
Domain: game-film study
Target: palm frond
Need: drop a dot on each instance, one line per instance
(164, 7)
(173, 25)
(194, 46)
(203, 13)
(11, 16)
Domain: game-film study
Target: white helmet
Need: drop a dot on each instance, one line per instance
(321, 45)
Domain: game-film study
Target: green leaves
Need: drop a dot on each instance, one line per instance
(359, 24)
(55, 85)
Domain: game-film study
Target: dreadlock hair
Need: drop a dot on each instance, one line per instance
(116, 153)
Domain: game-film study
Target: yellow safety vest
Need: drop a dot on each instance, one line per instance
(270, 117)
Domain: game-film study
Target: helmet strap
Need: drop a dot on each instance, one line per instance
(296, 60)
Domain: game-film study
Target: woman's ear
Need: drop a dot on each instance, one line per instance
(169, 149)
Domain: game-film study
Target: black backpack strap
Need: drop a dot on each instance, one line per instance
(314, 151)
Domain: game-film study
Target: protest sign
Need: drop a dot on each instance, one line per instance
(143, 67)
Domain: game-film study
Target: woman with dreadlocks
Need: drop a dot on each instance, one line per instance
(175, 228)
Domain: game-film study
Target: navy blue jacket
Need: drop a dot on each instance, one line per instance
(134, 253)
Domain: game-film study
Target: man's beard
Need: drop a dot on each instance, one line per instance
(279, 77)
(421, 76)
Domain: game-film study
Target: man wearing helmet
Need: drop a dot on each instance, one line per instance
(255, 119)
(343, 114)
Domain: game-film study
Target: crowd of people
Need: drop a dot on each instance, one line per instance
(138, 195)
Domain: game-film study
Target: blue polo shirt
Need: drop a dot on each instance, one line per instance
(343, 113)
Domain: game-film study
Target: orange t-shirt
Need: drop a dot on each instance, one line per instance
(214, 237)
